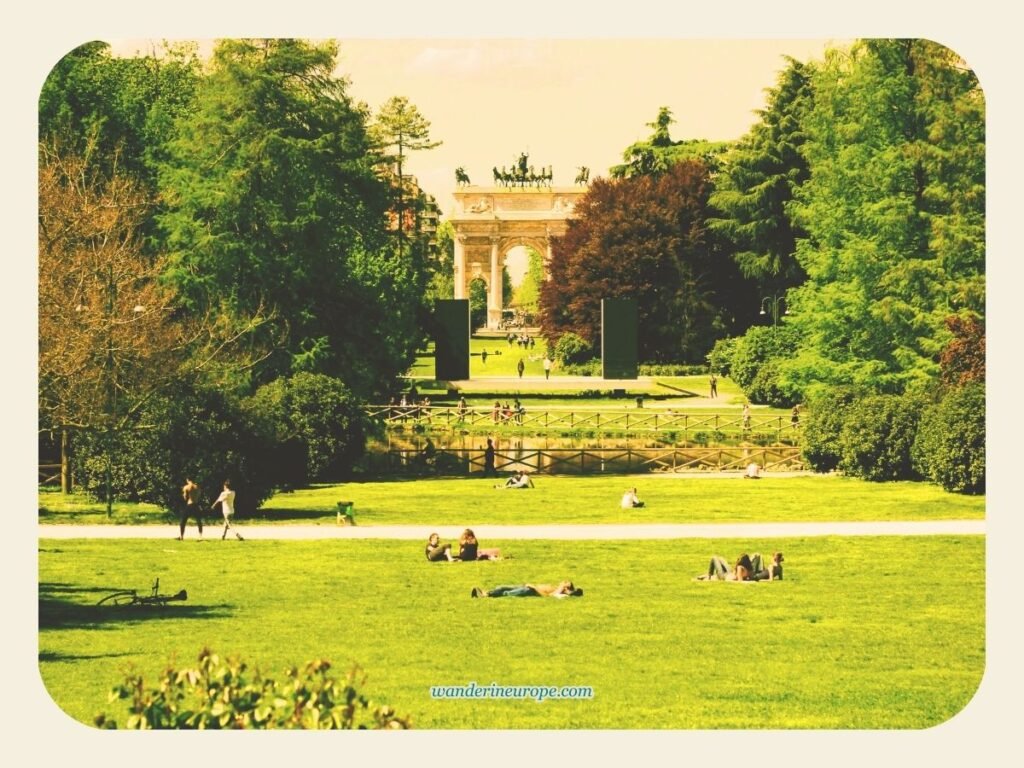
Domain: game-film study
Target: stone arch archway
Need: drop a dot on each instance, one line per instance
(490, 221)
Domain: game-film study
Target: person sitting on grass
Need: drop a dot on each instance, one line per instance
(519, 479)
(753, 471)
(747, 568)
(436, 551)
(564, 589)
(630, 500)
(469, 548)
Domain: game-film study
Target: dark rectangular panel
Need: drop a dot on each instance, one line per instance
(619, 338)
(451, 340)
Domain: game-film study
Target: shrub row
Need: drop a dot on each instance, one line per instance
(900, 437)
(289, 433)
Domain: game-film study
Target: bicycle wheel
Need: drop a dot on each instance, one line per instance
(125, 597)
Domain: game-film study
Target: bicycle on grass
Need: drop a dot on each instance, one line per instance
(132, 597)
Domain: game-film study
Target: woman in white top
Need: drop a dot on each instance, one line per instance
(227, 508)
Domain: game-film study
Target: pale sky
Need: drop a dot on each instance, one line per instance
(567, 102)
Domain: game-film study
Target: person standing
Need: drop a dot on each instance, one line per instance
(746, 417)
(227, 508)
(489, 469)
(483, 357)
(714, 385)
(794, 418)
(190, 495)
(547, 367)
(520, 366)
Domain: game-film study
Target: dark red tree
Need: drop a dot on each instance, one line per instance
(645, 237)
(962, 360)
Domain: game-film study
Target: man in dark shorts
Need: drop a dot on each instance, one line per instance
(190, 494)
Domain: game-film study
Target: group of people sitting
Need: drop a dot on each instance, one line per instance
(468, 549)
(747, 568)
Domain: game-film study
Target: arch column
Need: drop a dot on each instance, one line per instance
(495, 297)
(547, 256)
(460, 267)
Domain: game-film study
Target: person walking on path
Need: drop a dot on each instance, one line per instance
(746, 416)
(547, 367)
(794, 418)
(227, 508)
(714, 385)
(520, 366)
(190, 495)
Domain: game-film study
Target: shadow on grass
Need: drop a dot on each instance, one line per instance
(54, 656)
(56, 612)
(88, 516)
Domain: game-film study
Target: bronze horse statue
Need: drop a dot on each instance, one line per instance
(461, 177)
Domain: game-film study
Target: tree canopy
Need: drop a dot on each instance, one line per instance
(645, 237)
(894, 214)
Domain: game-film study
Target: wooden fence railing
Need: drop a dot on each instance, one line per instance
(468, 461)
(633, 420)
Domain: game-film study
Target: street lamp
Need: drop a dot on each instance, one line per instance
(773, 303)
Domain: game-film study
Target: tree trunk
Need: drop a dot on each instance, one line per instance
(65, 462)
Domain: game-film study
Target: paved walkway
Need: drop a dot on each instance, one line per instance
(600, 532)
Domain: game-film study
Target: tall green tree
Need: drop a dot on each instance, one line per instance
(274, 203)
(441, 264)
(894, 211)
(99, 106)
(657, 153)
(757, 181)
(400, 128)
(527, 295)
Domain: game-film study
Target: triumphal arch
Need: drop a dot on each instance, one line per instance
(490, 221)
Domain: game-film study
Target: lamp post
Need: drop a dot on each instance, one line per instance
(773, 303)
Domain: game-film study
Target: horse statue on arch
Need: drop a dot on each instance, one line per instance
(461, 177)
(583, 176)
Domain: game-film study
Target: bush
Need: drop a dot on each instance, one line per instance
(720, 356)
(588, 368)
(188, 432)
(315, 423)
(220, 695)
(767, 388)
(877, 436)
(950, 444)
(671, 369)
(752, 351)
(826, 412)
(572, 349)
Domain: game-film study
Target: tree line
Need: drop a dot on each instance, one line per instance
(209, 230)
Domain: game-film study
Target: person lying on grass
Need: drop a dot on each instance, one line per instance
(747, 568)
(519, 479)
(436, 551)
(469, 548)
(564, 589)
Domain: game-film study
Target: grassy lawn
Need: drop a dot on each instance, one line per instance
(859, 635)
(566, 499)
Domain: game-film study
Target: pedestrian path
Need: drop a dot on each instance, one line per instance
(604, 532)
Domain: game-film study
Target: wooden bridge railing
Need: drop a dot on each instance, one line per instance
(468, 461)
(633, 420)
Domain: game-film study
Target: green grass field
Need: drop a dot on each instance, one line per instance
(864, 632)
(565, 499)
